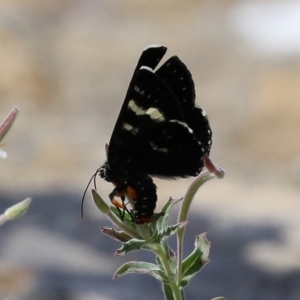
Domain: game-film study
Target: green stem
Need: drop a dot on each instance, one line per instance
(160, 252)
(183, 213)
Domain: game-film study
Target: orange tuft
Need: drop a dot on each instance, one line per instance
(117, 203)
(132, 192)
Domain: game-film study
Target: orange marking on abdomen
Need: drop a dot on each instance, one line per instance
(144, 220)
(132, 193)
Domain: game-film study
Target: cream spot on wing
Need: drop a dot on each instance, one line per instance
(130, 128)
(127, 127)
(138, 111)
(146, 68)
(183, 124)
(153, 46)
(155, 114)
(165, 150)
(152, 112)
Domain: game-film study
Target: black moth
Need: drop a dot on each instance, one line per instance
(160, 132)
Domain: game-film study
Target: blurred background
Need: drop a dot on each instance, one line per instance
(67, 65)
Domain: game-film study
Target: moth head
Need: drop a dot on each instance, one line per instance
(104, 172)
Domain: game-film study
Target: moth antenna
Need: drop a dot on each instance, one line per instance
(83, 197)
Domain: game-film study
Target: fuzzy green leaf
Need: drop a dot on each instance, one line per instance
(140, 267)
(17, 210)
(196, 260)
(168, 231)
(99, 202)
(168, 292)
(165, 211)
(116, 234)
(132, 245)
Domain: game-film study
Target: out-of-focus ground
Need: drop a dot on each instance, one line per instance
(67, 65)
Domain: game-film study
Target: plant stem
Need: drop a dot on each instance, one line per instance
(160, 252)
(183, 213)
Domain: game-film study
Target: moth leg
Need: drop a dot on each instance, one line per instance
(125, 209)
(120, 205)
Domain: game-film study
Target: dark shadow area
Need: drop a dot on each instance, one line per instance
(227, 274)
